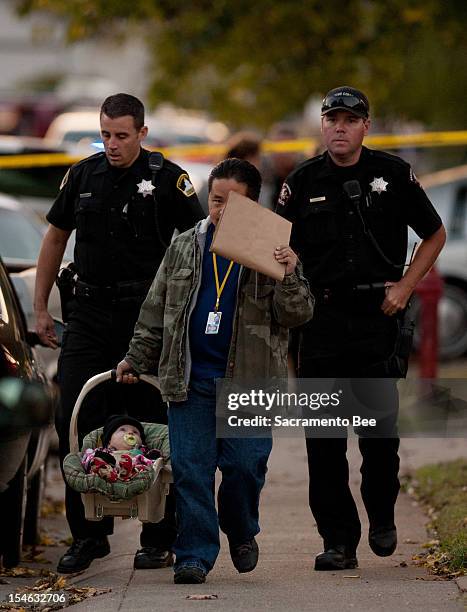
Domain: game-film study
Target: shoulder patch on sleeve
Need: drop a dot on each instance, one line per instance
(185, 185)
(284, 195)
(65, 179)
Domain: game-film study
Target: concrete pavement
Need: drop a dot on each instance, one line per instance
(284, 578)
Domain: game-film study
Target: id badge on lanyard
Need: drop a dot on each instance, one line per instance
(213, 323)
(214, 317)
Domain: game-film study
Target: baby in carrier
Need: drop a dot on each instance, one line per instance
(123, 453)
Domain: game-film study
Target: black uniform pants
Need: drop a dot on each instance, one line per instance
(344, 340)
(96, 339)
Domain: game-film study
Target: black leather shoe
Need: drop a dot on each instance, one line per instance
(81, 554)
(337, 557)
(151, 557)
(383, 540)
(245, 556)
(189, 574)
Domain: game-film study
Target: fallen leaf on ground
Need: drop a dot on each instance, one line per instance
(31, 554)
(431, 544)
(46, 540)
(19, 571)
(356, 576)
(437, 562)
(51, 507)
(52, 583)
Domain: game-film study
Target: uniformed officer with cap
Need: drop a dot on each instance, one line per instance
(125, 204)
(350, 208)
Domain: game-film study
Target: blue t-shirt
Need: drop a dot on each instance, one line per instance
(209, 352)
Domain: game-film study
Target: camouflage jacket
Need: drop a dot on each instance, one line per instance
(265, 309)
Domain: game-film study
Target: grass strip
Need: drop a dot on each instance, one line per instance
(442, 489)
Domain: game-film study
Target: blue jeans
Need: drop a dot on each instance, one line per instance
(196, 453)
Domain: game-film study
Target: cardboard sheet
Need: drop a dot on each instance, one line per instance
(248, 234)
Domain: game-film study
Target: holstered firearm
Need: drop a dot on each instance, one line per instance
(398, 362)
(66, 281)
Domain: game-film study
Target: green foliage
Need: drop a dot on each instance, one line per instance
(256, 62)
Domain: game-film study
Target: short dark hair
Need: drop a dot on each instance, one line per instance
(241, 171)
(122, 104)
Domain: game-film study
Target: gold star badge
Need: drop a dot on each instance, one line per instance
(379, 185)
(145, 188)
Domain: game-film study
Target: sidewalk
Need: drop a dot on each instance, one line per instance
(284, 578)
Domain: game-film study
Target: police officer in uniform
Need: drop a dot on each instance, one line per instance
(125, 204)
(350, 209)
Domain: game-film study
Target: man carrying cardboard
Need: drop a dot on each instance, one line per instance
(205, 318)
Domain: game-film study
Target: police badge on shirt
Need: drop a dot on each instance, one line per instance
(284, 195)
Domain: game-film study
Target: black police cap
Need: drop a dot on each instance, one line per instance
(347, 99)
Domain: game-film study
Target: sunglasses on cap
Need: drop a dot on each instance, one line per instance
(344, 100)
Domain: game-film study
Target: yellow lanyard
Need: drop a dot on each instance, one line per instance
(219, 289)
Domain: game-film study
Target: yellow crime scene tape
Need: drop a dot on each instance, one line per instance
(211, 152)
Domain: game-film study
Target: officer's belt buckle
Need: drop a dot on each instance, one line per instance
(109, 292)
(125, 290)
(88, 291)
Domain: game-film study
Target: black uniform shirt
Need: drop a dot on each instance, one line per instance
(328, 232)
(114, 213)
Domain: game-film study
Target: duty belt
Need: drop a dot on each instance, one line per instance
(363, 291)
(118, 291)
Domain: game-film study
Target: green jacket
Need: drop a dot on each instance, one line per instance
(265, 309)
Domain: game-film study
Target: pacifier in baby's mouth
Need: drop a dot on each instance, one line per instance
(130, 439)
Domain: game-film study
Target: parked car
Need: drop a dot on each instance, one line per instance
(82, 128)
(26, 412)
(21, 234)
(35, 185)
(447, 190)
(168, 126)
